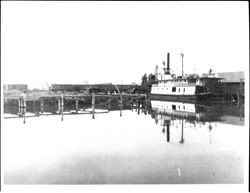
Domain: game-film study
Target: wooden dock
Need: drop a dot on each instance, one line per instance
(60, 97)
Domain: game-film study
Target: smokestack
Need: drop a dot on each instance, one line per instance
(168, 63)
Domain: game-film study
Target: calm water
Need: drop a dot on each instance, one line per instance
(162, 143)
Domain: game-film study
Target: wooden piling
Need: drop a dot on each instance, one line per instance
(76, 101)
(20, 111)
(42, 105)
(240, 94)
(59, 105)
(24, 107)
(62, 105)
(93, 105)
(142, 102)
(120, 105)
(146, 102)
(131, 102)
(138, 105)
(109, 102)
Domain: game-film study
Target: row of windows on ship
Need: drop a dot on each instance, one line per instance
(179, 80)
(173, 89)
(173, 107)
(174, 80)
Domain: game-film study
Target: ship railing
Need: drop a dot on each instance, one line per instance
(175, 84)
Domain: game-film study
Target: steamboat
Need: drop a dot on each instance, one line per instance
(186, 87)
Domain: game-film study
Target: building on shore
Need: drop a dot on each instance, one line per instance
(20, 87)
(234, 83)
(104, 88)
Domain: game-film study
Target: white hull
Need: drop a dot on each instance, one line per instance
(173, 90)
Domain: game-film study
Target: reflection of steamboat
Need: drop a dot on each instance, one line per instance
(186, 88)
(190, 112)
(182, 114)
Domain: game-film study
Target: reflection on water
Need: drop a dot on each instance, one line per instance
(232, 114)
(153, 142)
(53, 106)
(181, 115)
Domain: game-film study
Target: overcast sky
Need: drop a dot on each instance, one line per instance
(99, 42)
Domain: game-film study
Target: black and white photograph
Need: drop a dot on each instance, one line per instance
(125, 93)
